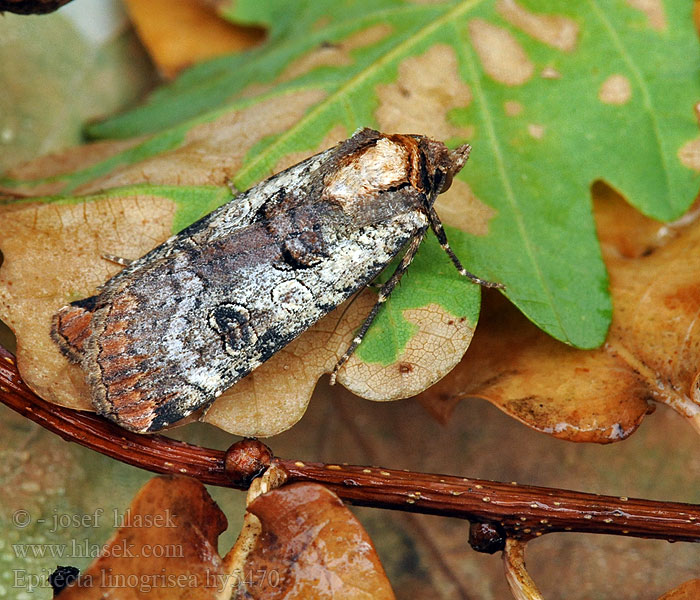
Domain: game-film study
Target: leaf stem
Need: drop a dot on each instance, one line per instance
(510, 510)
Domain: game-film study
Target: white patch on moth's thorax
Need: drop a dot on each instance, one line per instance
(379, 167)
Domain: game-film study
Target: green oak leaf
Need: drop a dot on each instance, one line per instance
(552, 95)
(437, 278)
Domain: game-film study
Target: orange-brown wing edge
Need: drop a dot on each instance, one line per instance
(72, 326)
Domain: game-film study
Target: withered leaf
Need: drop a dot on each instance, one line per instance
(166, 548)
(690, 590)
(310, 546)
(178, 34)
(652, 351)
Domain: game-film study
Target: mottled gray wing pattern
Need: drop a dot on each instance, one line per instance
(236, 214)
(195, 322)
(177, 327)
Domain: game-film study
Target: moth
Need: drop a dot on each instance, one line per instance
(177, 327)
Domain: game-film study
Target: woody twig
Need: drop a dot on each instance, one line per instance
(497, 511)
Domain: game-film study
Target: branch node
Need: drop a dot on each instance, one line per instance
(487, 538)
(245, 460)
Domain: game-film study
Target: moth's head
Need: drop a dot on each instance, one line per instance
(440, 165)
(371, 163)
(458, 157)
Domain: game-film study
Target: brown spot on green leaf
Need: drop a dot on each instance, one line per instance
(512, 108)
(550, 73)
(460, 207)
(689, 154)
(335, 54)
(554, 30)
(654, 10)
(403, 105)
(536, 131)
(616, 89)
(501, 55)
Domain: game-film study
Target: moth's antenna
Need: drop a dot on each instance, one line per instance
(124, 262)
(459, 157)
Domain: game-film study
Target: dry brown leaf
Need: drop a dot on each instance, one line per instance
(690, 590)
(52, 253)
(179, 33)
(48, 169)
(309, 545)
(167, 547)
(209, 153)
(652, 351)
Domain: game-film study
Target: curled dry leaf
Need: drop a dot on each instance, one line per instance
(652, 351)
(178, 34)
(690, 590)
(309, 545)
(167, 547)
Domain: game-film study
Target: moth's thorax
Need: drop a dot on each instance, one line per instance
(378, 167)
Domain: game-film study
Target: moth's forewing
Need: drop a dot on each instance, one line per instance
(185, 322)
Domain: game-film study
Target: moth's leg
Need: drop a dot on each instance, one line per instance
(232, 186)
(124, 262)
(383, 296)
(436, 226)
